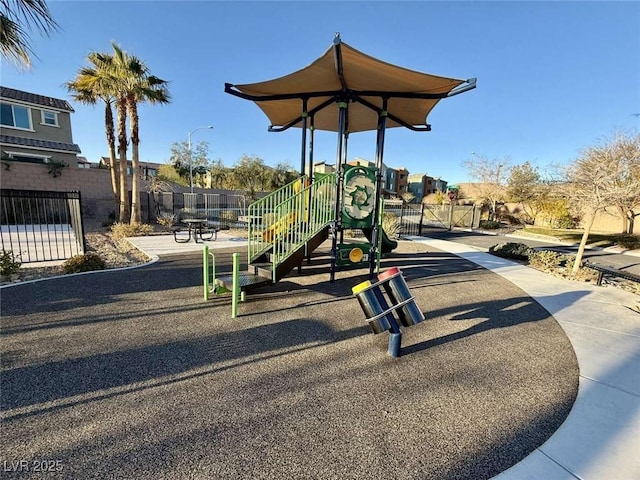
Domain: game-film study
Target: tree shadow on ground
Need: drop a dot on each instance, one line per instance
(498, 314)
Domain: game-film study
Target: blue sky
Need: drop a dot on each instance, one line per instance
(553, 77)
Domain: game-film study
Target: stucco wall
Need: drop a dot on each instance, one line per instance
(605, 222)
(94, 185)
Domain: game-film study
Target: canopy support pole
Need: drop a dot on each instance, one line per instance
(303, 152)
(312, 130)
(345, 159)
(311, 135)
(337, 219)
(375, 233)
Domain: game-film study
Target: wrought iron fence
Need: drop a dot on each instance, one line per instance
(39, 226)
(415, 219)
(227, 210)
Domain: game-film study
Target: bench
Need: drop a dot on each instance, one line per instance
(612, 272)
(180, 235)
(209, 231)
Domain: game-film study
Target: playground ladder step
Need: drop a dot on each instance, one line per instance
(247, 281)
(262, 269)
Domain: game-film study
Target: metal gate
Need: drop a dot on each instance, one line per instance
(39, 226)
(415, 219)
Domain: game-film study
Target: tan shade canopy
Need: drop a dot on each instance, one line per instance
(343, 74)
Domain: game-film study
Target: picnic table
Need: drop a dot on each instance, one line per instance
(198, 229)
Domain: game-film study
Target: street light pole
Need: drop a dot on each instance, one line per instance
(189, 153)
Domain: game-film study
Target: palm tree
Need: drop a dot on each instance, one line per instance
(135, 85)
(16, 19)
(123, 144)
(91, 85)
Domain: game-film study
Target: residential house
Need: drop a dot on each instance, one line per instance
(388, 175)
(147, 169)
(83, 162)
(422, 185)
(439, 185)
(402, 181)
(390, 183)
(36, 129)
(322, 167)
(417, 185)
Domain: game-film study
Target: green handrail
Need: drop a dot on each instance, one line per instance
(261, 214)
(284, 227)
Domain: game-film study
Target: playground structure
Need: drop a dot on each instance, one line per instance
(343, 91)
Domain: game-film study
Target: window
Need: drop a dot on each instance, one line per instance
(28, 157)
(15, 116)
(49, 118)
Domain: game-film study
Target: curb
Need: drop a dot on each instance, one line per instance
(545, 238)
(153, 260)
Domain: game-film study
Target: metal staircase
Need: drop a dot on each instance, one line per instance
(284, 227)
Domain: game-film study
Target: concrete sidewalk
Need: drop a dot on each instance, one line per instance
(601, 436)
(155, 245)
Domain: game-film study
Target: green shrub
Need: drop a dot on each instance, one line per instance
(123, 230)
(391, 224)
(628, 241)
(84, 263)
(489, 224)
(166, 219)
(353, 233)
(547, 260)
(9, 263)
(565, 222)
(230, 216)
(512, 250)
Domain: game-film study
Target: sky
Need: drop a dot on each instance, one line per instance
(553, 77)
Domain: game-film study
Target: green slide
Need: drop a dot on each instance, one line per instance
(387, 245)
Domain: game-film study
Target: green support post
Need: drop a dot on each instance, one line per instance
(208, 273)
(235, 292)
(379, 220)
(205, 271)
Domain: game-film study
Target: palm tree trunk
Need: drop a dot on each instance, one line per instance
(135, 161)
(122, 150)
(135, 187)
(113, 166)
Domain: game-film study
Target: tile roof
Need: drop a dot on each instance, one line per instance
(35, 99)
(34, 142)
(107, 161)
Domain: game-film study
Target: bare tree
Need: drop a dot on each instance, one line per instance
(629, 206)
(492, 175)
(604, 175)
